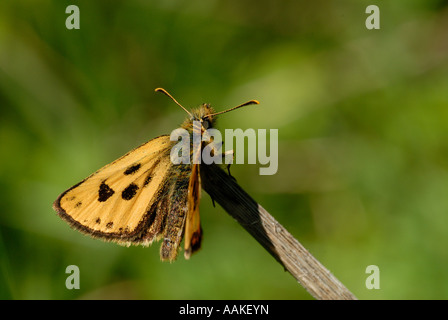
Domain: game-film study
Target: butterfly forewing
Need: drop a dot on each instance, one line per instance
(113, 203)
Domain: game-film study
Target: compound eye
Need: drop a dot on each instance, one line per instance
(205, 124)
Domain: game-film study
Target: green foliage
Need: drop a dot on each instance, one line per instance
(362, 117)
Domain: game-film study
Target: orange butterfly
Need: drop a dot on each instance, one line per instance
(143, 196)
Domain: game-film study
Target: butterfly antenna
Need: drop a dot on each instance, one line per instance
(241, 105)
(166, 93)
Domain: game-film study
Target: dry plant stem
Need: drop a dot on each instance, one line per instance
(309, 272)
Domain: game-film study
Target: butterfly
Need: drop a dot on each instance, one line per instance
(143, 196)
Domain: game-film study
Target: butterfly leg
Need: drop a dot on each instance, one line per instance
(229, 157)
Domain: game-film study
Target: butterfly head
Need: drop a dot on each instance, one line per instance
(205, 113)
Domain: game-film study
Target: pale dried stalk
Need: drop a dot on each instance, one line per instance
(309, 272)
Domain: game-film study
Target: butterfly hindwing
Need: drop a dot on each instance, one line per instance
(193, 231)
(175, 203)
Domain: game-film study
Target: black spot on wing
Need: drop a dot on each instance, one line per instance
(105, 192)
(132, 169)
(98, 220)
(147, 180)
(129, 192)
(109, 225)
(151, 172)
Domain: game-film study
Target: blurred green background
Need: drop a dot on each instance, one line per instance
(363, 150)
